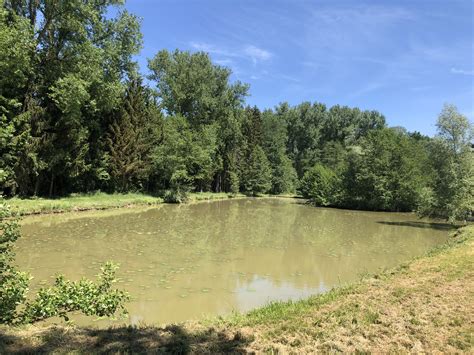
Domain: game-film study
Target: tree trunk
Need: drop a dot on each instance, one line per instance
(51, 185)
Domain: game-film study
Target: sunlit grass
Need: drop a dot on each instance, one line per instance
(80, 202)
(101, 201)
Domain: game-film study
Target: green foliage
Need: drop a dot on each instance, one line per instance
(275, 137)
(185, 156)
(70, 60)
(320, 184)
(191, 86)
(255, 171)
(454, 129)
(76, 117)
(130, 138)
(176, 195)
(13, 283)
(256, 175)
(86, 296)
(451, 192)
(16, 44)
(390, 171)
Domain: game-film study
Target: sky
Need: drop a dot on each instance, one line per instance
(402, 58)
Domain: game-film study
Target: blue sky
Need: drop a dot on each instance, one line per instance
(402, 58)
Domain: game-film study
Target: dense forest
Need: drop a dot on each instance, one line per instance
(77, 115)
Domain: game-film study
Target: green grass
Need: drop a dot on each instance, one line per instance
(102, 201)
(80, 203)
(210, 196)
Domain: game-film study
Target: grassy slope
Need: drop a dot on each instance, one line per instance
(425, 305)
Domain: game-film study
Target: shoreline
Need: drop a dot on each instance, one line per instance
(103, 201)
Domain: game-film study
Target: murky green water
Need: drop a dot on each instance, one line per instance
(190, 261)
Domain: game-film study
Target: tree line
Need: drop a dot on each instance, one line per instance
(77, 116)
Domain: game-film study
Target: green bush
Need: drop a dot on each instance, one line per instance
(91, 298)
(175, 196)
(319, 184)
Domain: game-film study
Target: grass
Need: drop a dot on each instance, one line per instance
(80, 202)
(102, 201)
(422, 306)
(99, 201)
(211, 196)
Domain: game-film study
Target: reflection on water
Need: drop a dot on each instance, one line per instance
(185, 261)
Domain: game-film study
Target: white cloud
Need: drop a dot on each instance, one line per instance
(251, 52)
(209, 48)
(257, 54)
(462, 71)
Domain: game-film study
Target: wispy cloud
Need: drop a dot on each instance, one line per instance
(346, 28)
(251, 52)
(462, 71)
(270, 75)
(211, 49)
(362, 15)
(257, 54)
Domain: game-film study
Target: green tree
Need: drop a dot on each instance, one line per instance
(184, 159)
(451, 195)
(275, 138)
(348, 125)
(191, 86)
(454, 129)
(17, 144)
(304, 124)
(76, 66)
(387, 173)
(255, 170)
(131, 137)
(256, 175)
(320, 184)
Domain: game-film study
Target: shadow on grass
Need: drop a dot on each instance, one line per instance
(417, 224)
(172, 339)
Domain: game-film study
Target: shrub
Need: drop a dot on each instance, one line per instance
(91, 298)
(175, 196)
(319, 184)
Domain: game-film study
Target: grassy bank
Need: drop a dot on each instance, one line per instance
(103, 201)
(98, 201)
(425, 305)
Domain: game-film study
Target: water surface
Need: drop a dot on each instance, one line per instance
(184, 262)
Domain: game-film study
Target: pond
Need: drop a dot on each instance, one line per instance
(183, 262)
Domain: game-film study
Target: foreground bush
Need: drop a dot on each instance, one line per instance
(90, 298)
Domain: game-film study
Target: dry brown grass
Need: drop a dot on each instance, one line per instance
(425, 306)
